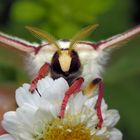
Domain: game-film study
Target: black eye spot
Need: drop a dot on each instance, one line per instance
(55, 65)
(75, 63)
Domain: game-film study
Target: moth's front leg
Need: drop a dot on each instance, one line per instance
(74, 88)
(42, 72)
(98, 104)
(89, 91)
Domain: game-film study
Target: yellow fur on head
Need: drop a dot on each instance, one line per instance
(65, 60)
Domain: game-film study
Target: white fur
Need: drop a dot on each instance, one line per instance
(92, 60)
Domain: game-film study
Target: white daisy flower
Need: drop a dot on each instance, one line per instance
(36, 117)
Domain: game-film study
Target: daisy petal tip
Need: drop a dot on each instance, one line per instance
(6, 137)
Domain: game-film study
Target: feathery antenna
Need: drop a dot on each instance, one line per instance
(43, 35)
(83, 33)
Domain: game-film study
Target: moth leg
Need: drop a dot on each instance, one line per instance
(89, 92)
(98, 104)
(42, 72)
(75, 87)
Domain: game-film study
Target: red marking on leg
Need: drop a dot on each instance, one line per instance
(43, 70)
(98, 105)
(75, 87)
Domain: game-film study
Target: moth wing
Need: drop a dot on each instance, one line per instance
(19, 44)
(93, 56)
(92, 61)
(118, 40)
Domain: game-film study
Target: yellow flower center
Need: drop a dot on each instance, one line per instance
(61, 130)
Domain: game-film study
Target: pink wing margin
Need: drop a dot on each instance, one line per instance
(117, 40)
(19, 44)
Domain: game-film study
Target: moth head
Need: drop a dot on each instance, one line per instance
(64, 61)
(65, 64)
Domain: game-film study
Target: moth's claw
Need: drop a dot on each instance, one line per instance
(32, 88)
(99, 125)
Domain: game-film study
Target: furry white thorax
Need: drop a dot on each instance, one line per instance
(92, 60)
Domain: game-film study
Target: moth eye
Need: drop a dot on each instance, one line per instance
(55, 66)
(75, 63)
(74, 67)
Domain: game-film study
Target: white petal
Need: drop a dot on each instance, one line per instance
(101, 131)
(42, 117)
(88, 115)
(26, 114)
(24, 96)
(56, 92)
(61, 84)
(44, 83)
(76, 103)
(43, 114)
(91, 102)
(92, 121)
(24, 136)
(23, 121)
(111, 118)
(10, 122)
(10, 116)
(7, 137)
(115, 134)
(50, 107)
(8, 127)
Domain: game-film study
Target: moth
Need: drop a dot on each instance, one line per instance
(79, 62)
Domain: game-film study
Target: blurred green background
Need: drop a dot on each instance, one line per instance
(63, 18)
